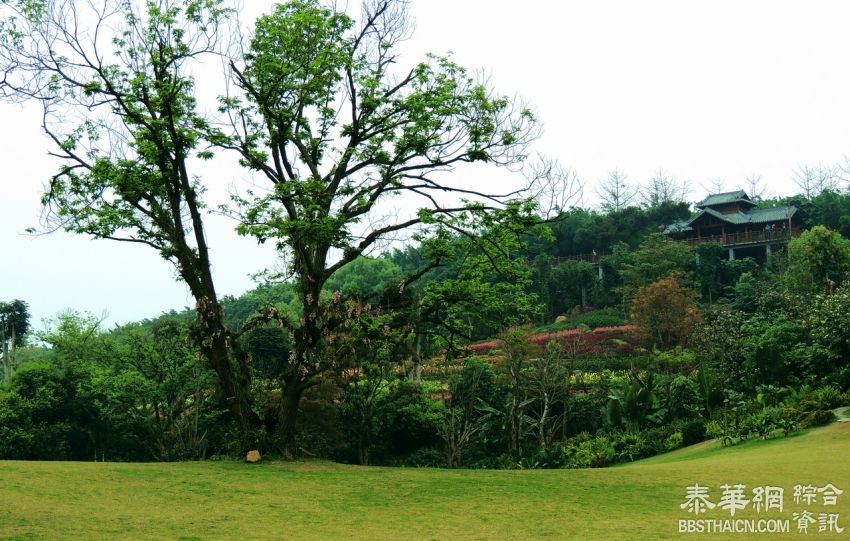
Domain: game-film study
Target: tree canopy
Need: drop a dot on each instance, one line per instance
(317, 107)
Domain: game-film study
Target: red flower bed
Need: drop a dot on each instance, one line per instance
(571, 336)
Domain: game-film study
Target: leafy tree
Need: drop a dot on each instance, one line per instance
(709, 269)
(723, 347)
(666, 312)
(775, 352)
(828, 350)
(831, 209)
(281, 295)
(358, 413)
(819, 261)
(572, 232)
(750, 288)
(366, 278)
(657, 257)
(410, 421)
(34, 415)
(122, 112)
(14, 324)
(548, 383)
(461, 423)
(635, 404)
(137, 392)
(334, 130)
(683, 397)
(517, 350)
(666, 213)
(321, 114)
(157, 383)
(716, 273)
(563, 286)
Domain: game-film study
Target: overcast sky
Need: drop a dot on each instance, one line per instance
(707, 90)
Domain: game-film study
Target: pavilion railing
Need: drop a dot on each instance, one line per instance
(729, 239)
(748, 237)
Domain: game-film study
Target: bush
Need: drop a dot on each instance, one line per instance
(426, 458)
(631, 447)
(673, 441)
(34, 422)
(504, 462)
(716, 429)
(545, 459)
(788, 420)
(828, 397)
(658, 437)
(765, 422)
(584, 414)
(605, 317)
(684, 398)
(693, 432)
(817, 418)
(676, 360)
(599, 318)
(585, 451)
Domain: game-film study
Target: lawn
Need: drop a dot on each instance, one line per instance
(321, 500)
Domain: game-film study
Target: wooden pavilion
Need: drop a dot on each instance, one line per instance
(731, 220)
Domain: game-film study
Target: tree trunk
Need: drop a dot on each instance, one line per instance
(13, 345)
(515, 414)
(363, 444)
(288, 416)
(230, 363)
(543, 419)
(7, 363)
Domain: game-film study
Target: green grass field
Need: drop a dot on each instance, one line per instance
(321, 500)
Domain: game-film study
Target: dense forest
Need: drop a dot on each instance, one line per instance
(549, 359)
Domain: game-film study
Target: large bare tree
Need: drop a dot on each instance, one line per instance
(663, 188)
(615, 192)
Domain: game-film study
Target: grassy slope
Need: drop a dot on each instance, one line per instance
(320, 500)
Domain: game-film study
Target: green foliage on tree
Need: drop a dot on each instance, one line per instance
(819, 261)
(333, 129)
(366, 278)
(34, 413)
(774, 353)
(121, 109)
(717, 274)
(564, 286)
(666, 312)
(655, 258)
(634, 404)
(722, 348)
(14, 325)
(320, 111)
(517, 351)
(828, 348)
(752, 289)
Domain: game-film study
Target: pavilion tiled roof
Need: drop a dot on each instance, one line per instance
(757, 216)
(725, 197)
